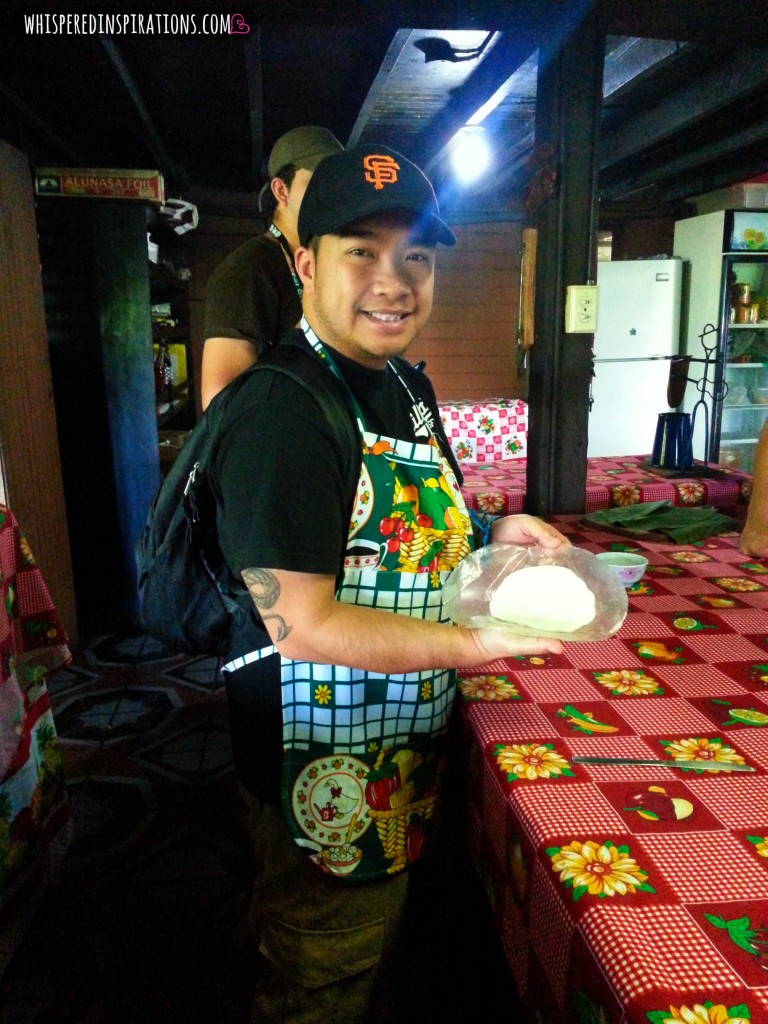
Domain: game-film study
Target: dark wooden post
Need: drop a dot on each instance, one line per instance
(562, 201)
(96, 284)
(125, 331)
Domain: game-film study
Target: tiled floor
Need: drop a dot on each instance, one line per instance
(147, 922)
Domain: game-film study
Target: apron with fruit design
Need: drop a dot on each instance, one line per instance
(364, 752)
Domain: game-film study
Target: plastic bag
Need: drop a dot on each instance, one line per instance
(470, 587)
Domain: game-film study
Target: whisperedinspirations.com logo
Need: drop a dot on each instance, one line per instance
(72, 24)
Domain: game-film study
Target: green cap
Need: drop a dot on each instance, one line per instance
(303, 147)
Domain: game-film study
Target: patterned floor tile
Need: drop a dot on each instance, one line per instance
(148, 919)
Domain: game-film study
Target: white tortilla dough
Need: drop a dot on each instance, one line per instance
(547, 597)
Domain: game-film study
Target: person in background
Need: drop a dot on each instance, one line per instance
(363, 696)
(754, 536)
(254, 296)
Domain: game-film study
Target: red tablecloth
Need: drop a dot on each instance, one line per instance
(625, 895)
(500, 487)
(34, 818)
(487, 432)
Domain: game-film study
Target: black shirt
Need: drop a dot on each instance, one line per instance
(279, 474)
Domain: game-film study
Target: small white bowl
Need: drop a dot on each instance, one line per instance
(627, 568)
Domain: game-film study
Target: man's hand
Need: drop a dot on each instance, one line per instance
(526, 531)
(501, 643)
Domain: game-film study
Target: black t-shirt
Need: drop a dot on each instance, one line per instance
(278, 472)
(251, 295)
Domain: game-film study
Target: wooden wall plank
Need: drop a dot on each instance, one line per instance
(27, 413)
(470, 343)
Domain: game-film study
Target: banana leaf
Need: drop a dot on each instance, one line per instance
(663, 520)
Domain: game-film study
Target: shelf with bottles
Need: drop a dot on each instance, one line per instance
(171, 350)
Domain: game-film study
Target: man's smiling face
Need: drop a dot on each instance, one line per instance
(368, 293)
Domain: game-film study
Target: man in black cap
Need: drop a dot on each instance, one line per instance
(366, 662)
(254, 296)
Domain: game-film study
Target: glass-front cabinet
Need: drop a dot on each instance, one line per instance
(744, 368)
(725, 331)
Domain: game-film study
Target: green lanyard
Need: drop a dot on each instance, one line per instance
(326, 356)
(323, 352)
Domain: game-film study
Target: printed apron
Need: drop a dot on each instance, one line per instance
(364, 752)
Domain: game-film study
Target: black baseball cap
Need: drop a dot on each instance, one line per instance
(361, 182)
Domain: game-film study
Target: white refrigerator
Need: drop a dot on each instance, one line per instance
(638, 332)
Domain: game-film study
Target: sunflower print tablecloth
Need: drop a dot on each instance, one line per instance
(499, 487)
(628, 895)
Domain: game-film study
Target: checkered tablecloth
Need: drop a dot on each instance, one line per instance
(34, 815)
(625, 895)
(611, 482)
(487, 432)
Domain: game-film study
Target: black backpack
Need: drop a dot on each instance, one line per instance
(189, 597)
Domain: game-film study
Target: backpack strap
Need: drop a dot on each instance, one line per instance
(296, 359)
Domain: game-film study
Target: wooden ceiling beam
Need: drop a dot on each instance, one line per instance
(726, 84)
(253, 75)
(508, 54)
(30, 116)
(739, 165)
(400, 41)
(688, 20)
(445, 15)
(683, 20)
(689, 163)
(166, 163)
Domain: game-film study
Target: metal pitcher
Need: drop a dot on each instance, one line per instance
(673, 445)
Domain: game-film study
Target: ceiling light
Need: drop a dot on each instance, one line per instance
(471, 156)
(438, 48)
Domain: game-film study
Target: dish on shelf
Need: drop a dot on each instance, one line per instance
(737, 395)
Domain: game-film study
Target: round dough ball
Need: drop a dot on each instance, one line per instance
(546, 597)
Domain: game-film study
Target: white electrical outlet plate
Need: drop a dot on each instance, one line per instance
(581, 309)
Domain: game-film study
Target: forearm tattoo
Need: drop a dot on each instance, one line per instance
(264, 588)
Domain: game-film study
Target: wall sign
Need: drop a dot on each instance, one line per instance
(100, 183)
